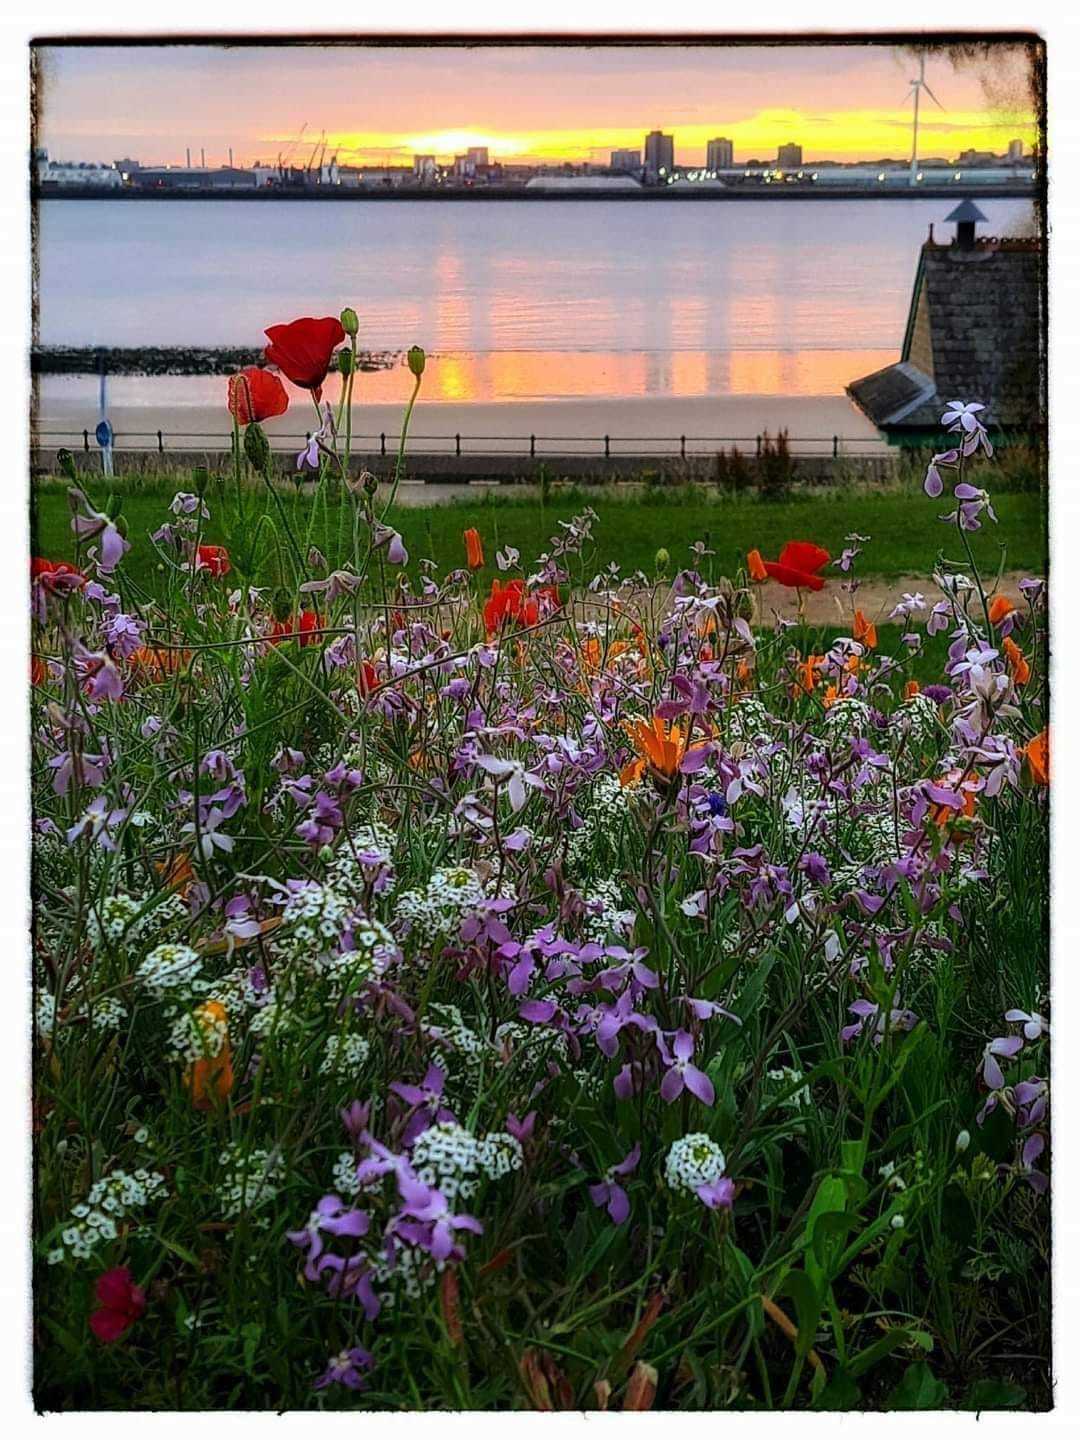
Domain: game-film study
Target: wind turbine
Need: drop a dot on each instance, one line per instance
(918, 84)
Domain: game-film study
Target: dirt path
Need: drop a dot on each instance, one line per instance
(875, 597)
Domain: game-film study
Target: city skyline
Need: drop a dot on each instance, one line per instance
(382, 105)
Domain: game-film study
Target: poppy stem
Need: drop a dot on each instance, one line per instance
(401, 446)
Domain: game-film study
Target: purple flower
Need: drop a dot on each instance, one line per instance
(346, 1368)
(332, 1217)
(683, 1074)
(1007, 1047)
(610, 1193)
(1034, 1024)
(435, 1233)
(91, 523)
(717, 1194)
(427, 1098)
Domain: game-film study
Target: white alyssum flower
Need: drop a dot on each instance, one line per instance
(169, 968)
(439, 908)
(117, 1196)
(344, 1055)
(249, 1180)
(692, 1161)
(198, 1034)
(785, 1076)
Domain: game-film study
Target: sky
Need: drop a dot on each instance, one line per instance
(380, 105)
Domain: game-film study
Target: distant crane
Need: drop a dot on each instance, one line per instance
(315, 163)
(283, 156)
(918, 84)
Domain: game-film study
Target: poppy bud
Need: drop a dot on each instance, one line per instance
(345, 363)
(121, 526)
(66, 461)
(200, 477)
(113, 505)
(281, 605)
(663, 560)
(350, 321)
(257, 448)
(963, 1140)
(326, 854)
(417, 360)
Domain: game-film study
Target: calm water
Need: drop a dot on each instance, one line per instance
(519, 301)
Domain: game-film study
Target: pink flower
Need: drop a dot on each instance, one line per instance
(122, 1303)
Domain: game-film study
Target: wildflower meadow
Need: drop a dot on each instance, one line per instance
(518, 987)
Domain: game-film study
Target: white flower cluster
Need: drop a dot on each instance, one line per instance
(45, 1014)
(374, 951)
(750, 720)
(531, 1042)
(344, 1055)
(917, 717)
(344, 1175)
(445, 1027)
(409, 1274)
(451, 1160)
(692, 1161)
(312, 921)
(451, 894)
(115, 1197)
(197, 1034)
(847, 717)
(602, 811)
(250, 1180)
(606, 912)
(349, 876)
(783, 1078)
(168, 969)
(117, 918)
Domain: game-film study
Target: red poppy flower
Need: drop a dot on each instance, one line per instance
(49, 571)
(510, 602)
(122, 1303)
(303, 350)
(299, 626)
(256, 394)
(214, 558)
(367, 678)
(797, 567)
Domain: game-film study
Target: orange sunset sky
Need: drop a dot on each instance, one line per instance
(380, 105)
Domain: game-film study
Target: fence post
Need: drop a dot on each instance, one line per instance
(835, 446)
(160, 443)
(758, 450)
(86, 441)
(682, 446)
(607, 447)
(382, 443)
(457, 444)
(532, 445)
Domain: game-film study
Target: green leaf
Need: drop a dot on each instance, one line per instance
(995, 1395)
(841, 1393)
(807, 1298)
(890, 1341)
(918, 1390)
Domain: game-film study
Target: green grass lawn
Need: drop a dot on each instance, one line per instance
(903, 527)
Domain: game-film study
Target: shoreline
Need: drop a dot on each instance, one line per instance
(958, 190)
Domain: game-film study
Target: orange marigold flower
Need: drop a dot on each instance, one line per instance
(474, 549)
(1000, 607)
(1037, 754)
(865, 632)
(1019, 668)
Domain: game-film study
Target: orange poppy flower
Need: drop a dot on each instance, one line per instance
(865, 632)
(1037, 754)
(39, 670)
(944, 815)
(474, 549)
(176, 873)
(211, 1077)
(911, 689)
(1000, 606)
(831, 697)
(661, 745)
(807, 672)
(1019, 668)
(797, 567)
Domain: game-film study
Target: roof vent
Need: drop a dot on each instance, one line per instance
(966, 216)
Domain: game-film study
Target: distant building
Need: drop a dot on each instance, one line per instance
(1016, 150)
(719, 154)
(583, 183)
(61, 172)
(477, 156)
(789, 157)
(424, 168)
(973, 334)
(375, 177)
(659, 156)
(626, 161)
(194, 177)
(973, 157)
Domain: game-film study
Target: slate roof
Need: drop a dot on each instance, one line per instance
(974, 326)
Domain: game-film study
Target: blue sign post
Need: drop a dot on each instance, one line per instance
(104, 436)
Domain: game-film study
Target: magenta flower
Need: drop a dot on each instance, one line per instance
(330, 1217)
(610, 1193)
(435, 1232)
(683, 1074)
